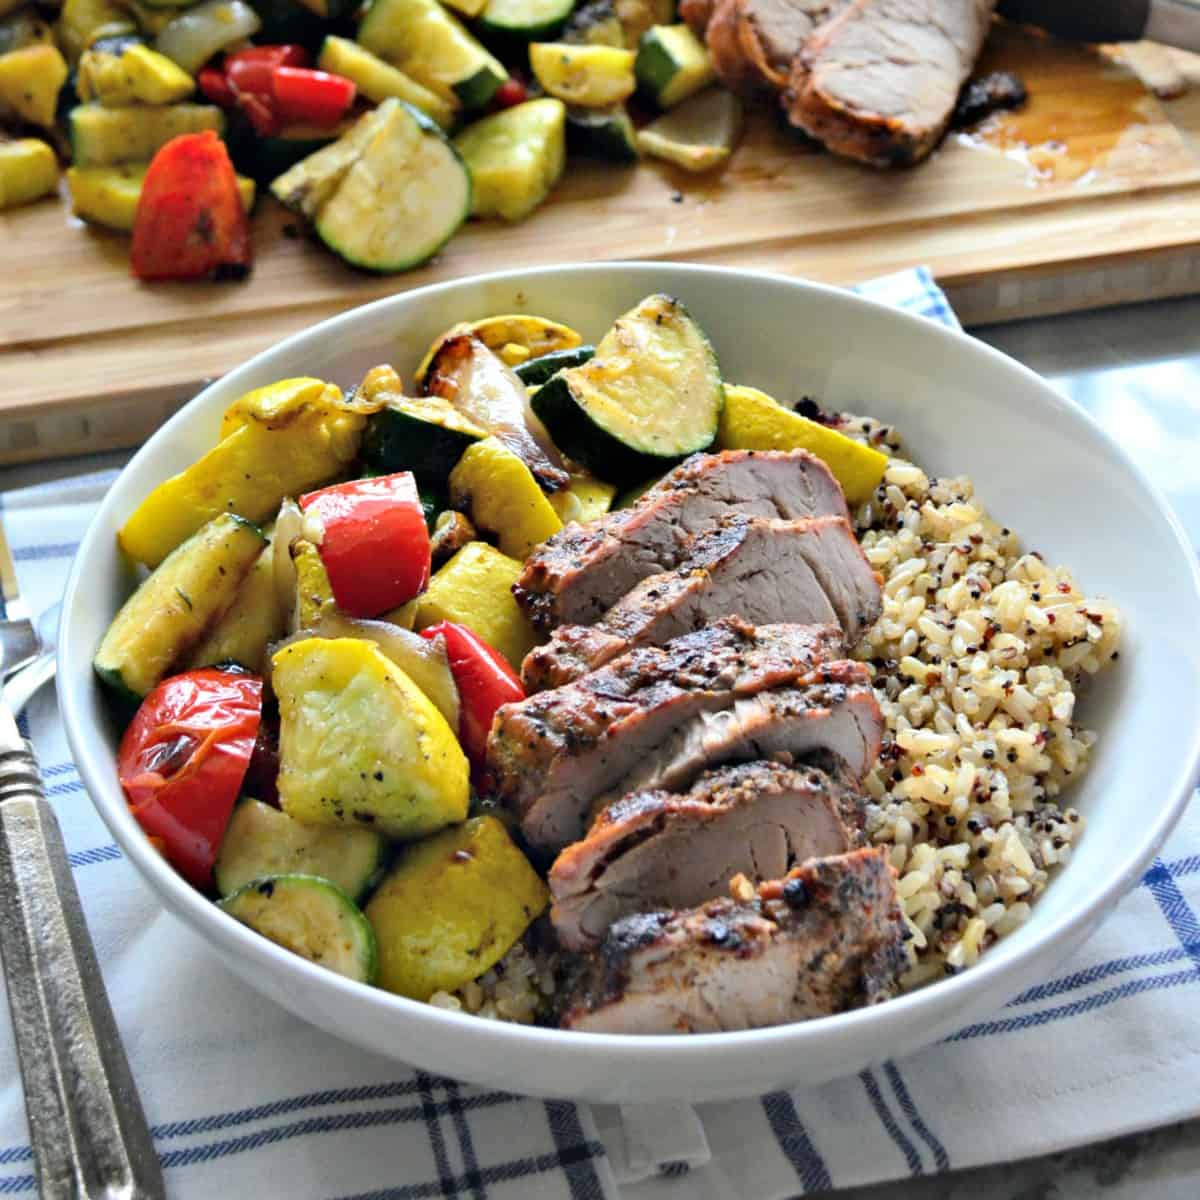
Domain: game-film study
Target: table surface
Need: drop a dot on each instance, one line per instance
(1136, 369)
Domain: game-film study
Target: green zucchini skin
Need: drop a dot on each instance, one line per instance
(536, 371)
(313, 918)
(524, 20)
(261, 841)
(145, 640)
(618, 415)
(605, 133)
(264, 159)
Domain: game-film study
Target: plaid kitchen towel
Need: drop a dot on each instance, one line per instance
(246, 1100)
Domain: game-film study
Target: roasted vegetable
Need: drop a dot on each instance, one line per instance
(28, 171)
(262, 841)
(497, 490)
(651, 395)
(751, 420)
(672, 64)
(182, 760)
(251, 623)
(311, 917)
(475, 589)
(378, 80)
(131, 73)
(452, 907)
(108, 196)
(537, 335)
(278, 450)
(425, 41)
(102, 137)
(30, 80)
(84, 21)
(584, 499)
(524, 20)
(190, 221)
(361, 744)
(314, 592)
(425, 435)
(637, 16)
(515, 157)
(605, 133)
(451, 532)
(196, 34)
(595, 24)
(698, 135)
(173, 610)
(590, 76)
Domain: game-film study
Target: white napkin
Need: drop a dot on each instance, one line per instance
(245, 1100)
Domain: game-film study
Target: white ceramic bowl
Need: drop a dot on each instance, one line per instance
(1039, 464)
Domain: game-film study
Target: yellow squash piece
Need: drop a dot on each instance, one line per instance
(28, 171)
(137, 75)
(538, 335)
(84, 21)
(452, 907)
(249, 625)
(475, 589)
(30, 80)
(361, 744)
(108, 196)
(378, 80)
(277, 449)
(314, 593)
(751, 420)
(590, 76)
(515, 157)
(583, 499)
(502, 497)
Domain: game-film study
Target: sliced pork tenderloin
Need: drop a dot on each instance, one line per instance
(584, 569)
(764, 570)
(654, 850)
(879, 81)
(772, 32)
(657, 717)
(826, 938)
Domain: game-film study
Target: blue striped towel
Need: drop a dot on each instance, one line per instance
(245, 1100)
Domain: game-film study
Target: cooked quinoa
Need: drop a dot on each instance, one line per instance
(978, 657)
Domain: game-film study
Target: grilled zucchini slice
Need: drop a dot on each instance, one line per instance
(378, 80)
(525, 20)
(605, 133)
(535, 371)
(651, 396)
(698, 135)
(261, 841)
(402, 200)
(177, 605)
(672, 64)
(515, 157)
(425, 435)
(107, 136)
(426, 41)
(590, 76)
(311, 917)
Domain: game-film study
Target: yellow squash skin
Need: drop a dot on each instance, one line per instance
(276, 450)
(109, 195)
(591, 76)
(751, 420)
(475, 589)
(314, 592)
(583, 499)
(30, 80)
(501, 495)
(452, 907)
(28, 171)
(361, 744)
(139, 75)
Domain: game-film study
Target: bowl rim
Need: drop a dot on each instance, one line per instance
(90, 751)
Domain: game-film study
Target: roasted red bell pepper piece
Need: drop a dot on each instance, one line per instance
(286, 55)
(215, 88)
(190, 223)
(510, 93)
(484, 681)
(375, 545)
(306, 97)
(182, 760)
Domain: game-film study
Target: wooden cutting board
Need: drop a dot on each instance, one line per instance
(1089, 196)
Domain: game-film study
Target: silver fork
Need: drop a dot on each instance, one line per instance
(86, 1124)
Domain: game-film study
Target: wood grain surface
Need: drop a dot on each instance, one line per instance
(1090, 195)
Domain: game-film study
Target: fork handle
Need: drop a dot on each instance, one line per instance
(86, 1124)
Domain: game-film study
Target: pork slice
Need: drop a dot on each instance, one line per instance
(763, 570)
(584, 569)
(826, 938)
(553, 753)
(772, 32)
(831, 709)
(653, 850)
(878, 82)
